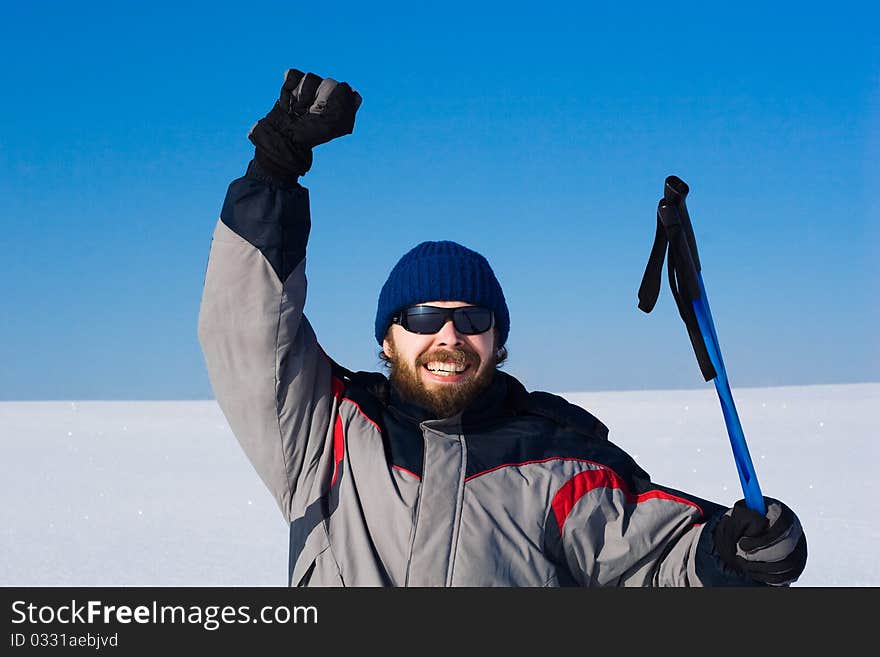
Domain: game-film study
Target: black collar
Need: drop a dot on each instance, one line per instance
(504, 398)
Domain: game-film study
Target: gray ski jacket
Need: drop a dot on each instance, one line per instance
(521, 489)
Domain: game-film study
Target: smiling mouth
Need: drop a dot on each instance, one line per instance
(446, 370)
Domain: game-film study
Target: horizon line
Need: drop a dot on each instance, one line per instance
(560, 393)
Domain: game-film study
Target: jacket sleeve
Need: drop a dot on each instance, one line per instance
(270, 377)
(620, 531)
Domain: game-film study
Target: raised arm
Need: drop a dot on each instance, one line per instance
(271, 379)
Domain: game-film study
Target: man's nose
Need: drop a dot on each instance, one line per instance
(448, 335)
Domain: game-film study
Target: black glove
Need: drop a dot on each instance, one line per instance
(309, 111)
(771, 549)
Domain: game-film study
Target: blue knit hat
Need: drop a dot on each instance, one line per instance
(441, 271)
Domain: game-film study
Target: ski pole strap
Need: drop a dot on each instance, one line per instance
(674, 238)
(649, 290)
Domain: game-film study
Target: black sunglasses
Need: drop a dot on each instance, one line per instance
(425, 320)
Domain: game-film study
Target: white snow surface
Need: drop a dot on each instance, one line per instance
(147, 493)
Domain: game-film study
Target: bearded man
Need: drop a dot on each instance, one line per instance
(448, 472)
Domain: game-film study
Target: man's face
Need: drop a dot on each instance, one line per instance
(444, 371)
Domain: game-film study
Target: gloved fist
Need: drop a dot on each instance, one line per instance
(770, 549)
(309, 111)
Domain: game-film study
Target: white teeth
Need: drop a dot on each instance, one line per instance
(445, 369)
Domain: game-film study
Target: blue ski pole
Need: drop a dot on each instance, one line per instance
(674, 230)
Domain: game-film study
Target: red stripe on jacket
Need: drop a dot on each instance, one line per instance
(400, 468)
(338, 388)
(519, 464)
(583, 482)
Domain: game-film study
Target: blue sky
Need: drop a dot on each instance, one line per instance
(539, 135)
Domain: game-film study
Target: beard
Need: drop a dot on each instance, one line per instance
(443, 400)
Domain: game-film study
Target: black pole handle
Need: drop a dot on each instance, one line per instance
(675, 192)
